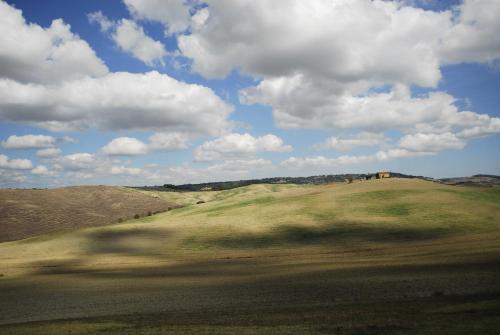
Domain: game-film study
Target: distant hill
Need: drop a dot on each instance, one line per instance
(29, 212)
(475, 180)
(226, 185)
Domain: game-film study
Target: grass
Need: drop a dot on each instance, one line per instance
(332, 235)
(411, 257)
(480, 195)
(220, 210)
(423, 317)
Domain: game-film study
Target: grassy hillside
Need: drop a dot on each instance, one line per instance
(26, 213)
(376, 257)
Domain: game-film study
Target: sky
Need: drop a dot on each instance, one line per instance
(149, 92)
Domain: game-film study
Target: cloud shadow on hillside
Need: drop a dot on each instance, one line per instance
(331, 234)
(134, 242)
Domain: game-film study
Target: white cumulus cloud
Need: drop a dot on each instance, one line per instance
(78, 161)
(169, 141)
(41, 170)
(431, 142)
(123, 170)
(31, 53)
(125, 146)
(29, 142)
(322, 161)
(51, 78)
(174, 14)
(49, 153)
(239, 145)
(129, 146)
(322, 64)
(131, 38)
(363, 139)
(117, 101)
(14, 163)
(102, 20)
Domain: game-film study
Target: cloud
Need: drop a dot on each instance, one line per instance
(131, 38)
(348, 41)
(298, 103)
(431, 142)
(78, 161)
(116, 101)
(35, 141)
(41, 170)
(31, 53)
(241, 164)
(128, 146)
(485, 127)
(49, 153)
(342, 40)
(321, 161)
(169, 141)
(239, 145)
(411, 145)
(104, 23)
(12, 177)
(14, 164)
(67, 140)
(122, 170)
(29, 142)
(233, 169)
(474, 35)
(363, 139)
(174, 14)
(50, 78)
(125, 146)
(350, 63)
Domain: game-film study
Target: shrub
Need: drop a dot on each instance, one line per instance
(200, 202)
(120, 220)
(137, 216)
(149, 213)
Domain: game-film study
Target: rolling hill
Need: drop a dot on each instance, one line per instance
(395, 256)
(30, 212)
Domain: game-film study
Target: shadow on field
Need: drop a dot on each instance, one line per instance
(331, 234)
(255, 286)
(150, 243)
(267, 270)
(141, 242)
(230, 268)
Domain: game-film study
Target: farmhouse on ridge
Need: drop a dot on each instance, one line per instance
(383, 174)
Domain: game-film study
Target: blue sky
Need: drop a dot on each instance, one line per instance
(143, 92)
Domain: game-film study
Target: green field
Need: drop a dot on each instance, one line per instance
(393, 256)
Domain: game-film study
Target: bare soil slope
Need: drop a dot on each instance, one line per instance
(27, 213)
